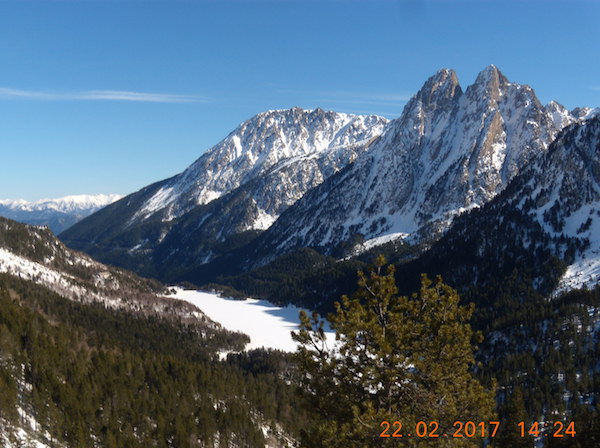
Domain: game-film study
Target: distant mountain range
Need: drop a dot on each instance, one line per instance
(58, 214)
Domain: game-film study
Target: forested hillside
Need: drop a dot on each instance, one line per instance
(92, 355)
(91, 376)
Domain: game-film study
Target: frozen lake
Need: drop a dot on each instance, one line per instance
(267, 325)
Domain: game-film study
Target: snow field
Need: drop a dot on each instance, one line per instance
(267, 325)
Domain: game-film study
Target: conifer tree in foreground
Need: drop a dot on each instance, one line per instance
(396, 359)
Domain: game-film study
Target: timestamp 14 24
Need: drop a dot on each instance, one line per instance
(555, 429)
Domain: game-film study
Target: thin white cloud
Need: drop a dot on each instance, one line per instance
(101, 95)
(14, 93)
(118, 95)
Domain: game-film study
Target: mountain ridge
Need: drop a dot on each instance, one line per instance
(448, 152)
(252, 176)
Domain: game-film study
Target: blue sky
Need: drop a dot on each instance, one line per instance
(110, 96)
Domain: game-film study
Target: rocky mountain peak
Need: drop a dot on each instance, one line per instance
(437, 94)
(561, 117)
(444, 84)
(492, 89)
(490, 80)
(483, 87)
(426, 110)
(587, 143)
(448, 152)
(584, 113)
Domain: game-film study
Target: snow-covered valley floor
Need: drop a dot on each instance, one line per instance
(267, 325)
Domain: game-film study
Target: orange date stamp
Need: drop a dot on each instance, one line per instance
(470, 429)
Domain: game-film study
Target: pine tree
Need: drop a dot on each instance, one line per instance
(395, 359)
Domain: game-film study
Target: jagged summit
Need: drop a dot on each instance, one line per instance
(560, 115)
(492, 85)
(437, 94)
(491, 77)
(444, 82)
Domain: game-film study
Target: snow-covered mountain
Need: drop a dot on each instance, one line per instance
(291, 150)
(450, 151)
(59, 213)
(240, 185)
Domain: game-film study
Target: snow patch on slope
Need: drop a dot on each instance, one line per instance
(22, 437)
(263, 221)
(379, 241)
(584, 272)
